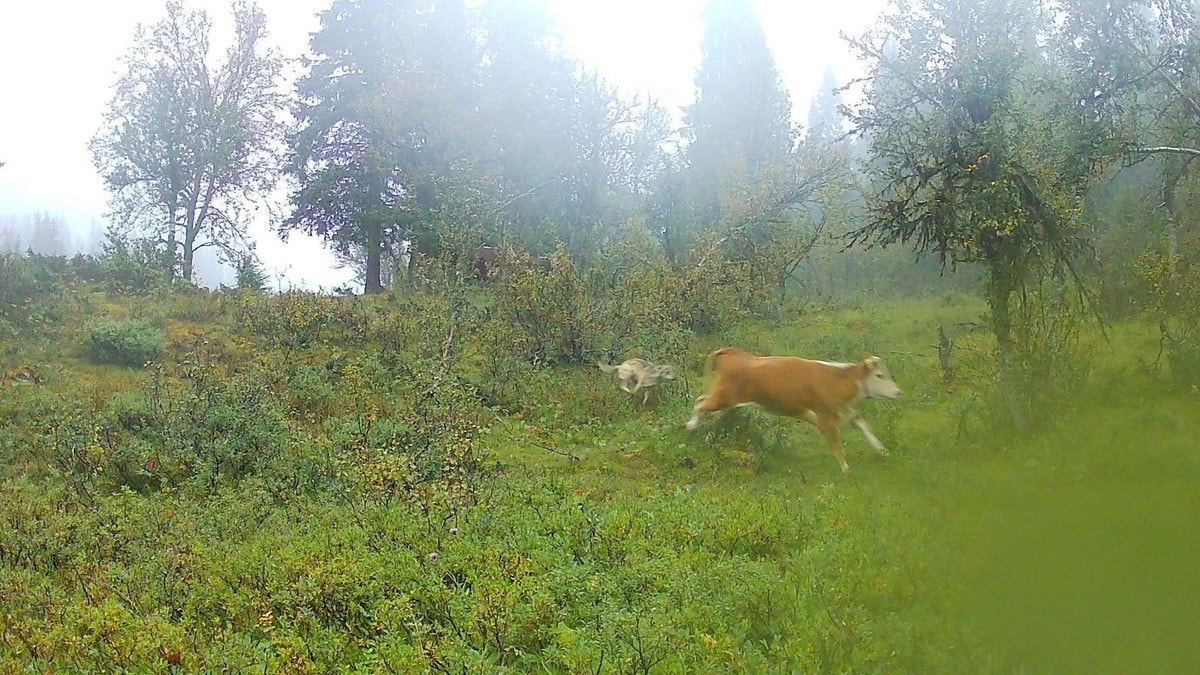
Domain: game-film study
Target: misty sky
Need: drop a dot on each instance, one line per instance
(62, 56)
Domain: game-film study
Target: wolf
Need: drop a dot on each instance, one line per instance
(639, 375)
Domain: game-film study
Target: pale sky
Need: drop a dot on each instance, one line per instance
(63, 56)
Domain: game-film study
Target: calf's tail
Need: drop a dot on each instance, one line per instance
(711, 361)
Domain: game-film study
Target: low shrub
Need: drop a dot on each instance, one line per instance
(124, 342)
(21, 282)
(1171, 284)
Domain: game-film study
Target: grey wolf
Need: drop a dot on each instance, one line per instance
(639, 375)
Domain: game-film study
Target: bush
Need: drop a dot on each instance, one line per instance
(1042, 375)
(299, 319)
(124, 342)
(24, 280)
(646, 307)
(1171, 284)
(251, 275)
(131, 266)
(549, 311)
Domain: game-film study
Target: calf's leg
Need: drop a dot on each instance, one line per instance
(833, 435)
(866, 432)
(706, 403)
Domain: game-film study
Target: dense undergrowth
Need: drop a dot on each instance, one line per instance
(305, 483)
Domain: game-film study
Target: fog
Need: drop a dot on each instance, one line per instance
(650, 48)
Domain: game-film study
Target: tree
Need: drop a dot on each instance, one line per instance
(94, 243)
(48, 235)
(379, 113)
(1138, 68)
(739, 129)
(746, 178)
(543, 124)
(249, 273)
(1136, 65)
(411, 104)
(10, 234)
(824, 115)
(976, 155)
(642, 155)
(188, 147)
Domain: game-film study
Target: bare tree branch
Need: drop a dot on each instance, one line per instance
(1165, 149)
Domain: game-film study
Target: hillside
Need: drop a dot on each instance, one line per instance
(301, 483)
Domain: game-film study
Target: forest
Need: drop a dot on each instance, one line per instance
(427, 471)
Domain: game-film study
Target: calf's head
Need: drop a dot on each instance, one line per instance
(879, 382)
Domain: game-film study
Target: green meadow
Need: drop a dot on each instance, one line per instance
(290, 484)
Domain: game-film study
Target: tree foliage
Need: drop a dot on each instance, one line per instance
(187, 146)
(824, 115)
(739, 129)
(974, 155)
(350, 188)
(408, 100)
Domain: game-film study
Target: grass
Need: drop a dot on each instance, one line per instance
(604, 538)
(1069, 551)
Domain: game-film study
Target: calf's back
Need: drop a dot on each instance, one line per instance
(787, 385)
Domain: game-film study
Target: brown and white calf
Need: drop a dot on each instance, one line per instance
(825, 394)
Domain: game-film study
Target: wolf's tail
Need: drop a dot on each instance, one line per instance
(605, 367)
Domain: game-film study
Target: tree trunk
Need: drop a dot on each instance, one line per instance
(668, 245)
(783, 279)
(168, 261)
(1002, 283)
(372, 283)
(1168, 192)
(412, 270)
(189, 252)
(945, 348)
